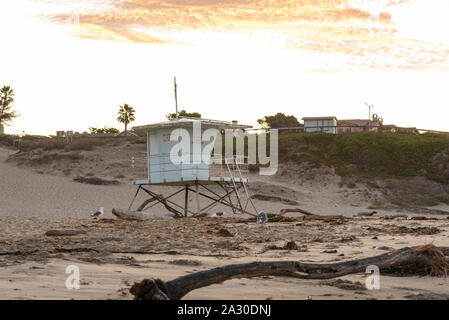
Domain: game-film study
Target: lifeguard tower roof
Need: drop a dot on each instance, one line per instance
(185, 121)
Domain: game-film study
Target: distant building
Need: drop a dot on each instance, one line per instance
(359, 125)
(332, 125)
(408, 130)
(320, 124)
(388, 128)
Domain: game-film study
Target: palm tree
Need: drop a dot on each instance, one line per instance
(126, 115)
(6, 100)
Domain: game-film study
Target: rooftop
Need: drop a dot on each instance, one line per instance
(183, 122)
(319, 118)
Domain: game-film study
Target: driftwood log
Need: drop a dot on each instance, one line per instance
(130, 215)
(421, 260)
(64, 233)
(309, 215)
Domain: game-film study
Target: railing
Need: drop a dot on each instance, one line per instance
(163, 166)
(233, 165)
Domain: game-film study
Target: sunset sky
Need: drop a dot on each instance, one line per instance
(72, 63)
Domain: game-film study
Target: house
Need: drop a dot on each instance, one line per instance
(320, 124)
(388, 128)
(359, 125)
(408, 130)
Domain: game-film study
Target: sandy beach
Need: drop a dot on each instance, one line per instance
(112, 254)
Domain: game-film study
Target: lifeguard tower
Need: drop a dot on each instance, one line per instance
(220, 183)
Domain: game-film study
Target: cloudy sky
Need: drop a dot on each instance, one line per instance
(72, 63)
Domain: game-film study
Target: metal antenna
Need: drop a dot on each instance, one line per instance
(369, 114)
(369, 110)
(176, 99)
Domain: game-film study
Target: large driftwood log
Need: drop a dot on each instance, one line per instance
(426, 259)
(309, 215)
(64, 233)
(130, 215)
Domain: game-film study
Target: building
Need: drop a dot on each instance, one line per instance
(388, 128)
(192, 172)
(320, 124)
(407, 130)
(359, 125)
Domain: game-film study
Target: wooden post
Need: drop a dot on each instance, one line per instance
(197, 189)
(186, 203)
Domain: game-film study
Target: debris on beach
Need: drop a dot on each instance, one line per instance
(426, 259)
(64, 233)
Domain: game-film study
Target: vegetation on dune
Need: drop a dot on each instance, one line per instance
(183, 113)
(367, 154)
(370, 154)
(7, 114)
(279, 120)
(103, 130)
(30, 142)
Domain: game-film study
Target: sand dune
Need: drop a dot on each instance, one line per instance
(29, 194)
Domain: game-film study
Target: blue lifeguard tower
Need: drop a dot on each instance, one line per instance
(191, 175)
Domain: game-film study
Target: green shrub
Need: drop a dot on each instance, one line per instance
(370, 154)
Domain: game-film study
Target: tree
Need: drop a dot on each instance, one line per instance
(183, 113)
(126, 115)
(6, 100)
(279, 120)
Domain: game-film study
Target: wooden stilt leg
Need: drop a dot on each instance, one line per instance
(230, 199)
(186, 201)
(135, 196)
(197, 189)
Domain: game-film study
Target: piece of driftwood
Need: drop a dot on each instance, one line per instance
(130, 215)
(366, 214)
(64, 233)
(308, 215)
(426, 259)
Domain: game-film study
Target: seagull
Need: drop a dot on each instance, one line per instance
(262, 217)
(217, 214)
(98, 213)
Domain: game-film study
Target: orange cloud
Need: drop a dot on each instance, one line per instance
(364, 39)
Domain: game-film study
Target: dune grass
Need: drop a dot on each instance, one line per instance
(32, 142)
(370, 154)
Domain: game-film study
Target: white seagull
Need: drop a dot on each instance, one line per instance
(217, 214)
(98, 213)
